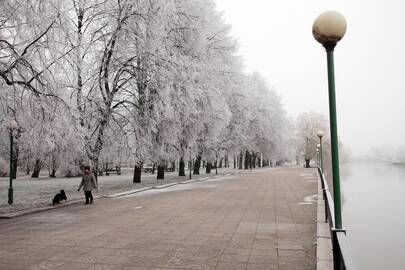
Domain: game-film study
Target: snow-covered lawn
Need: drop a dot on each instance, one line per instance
(30, 193)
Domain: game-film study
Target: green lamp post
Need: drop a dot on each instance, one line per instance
(11, 126)
(320, 134)
(328, 29)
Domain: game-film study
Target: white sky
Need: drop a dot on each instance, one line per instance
(276, 40)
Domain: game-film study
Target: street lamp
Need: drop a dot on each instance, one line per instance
(320, 134)
(329, 28)
(317, 153)
(11, 126)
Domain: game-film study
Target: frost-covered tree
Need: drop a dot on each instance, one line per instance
(26, 55)
(307, 126)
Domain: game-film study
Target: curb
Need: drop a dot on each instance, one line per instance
(125, 193)
(37, 210)
(28, 211)
(166, 185)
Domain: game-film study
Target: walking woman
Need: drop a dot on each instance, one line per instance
(88, 183)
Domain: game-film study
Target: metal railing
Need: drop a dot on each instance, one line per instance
(342, 253)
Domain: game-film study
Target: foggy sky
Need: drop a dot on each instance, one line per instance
(276, 40)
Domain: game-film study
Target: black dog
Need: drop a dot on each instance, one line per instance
(61, 196)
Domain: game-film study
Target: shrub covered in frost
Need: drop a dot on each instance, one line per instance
(70, 170)
(3, 167)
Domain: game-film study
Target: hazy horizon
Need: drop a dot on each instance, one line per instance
(276, 40)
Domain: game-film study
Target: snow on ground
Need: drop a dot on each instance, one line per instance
(31, 193)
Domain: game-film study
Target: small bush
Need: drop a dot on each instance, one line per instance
(70, 170)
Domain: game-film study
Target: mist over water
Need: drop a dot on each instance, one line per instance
(374, 213)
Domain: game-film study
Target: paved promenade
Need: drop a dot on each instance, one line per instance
(264, 219)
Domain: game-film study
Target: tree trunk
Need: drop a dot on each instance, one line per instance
(160, 172)
(153, 168)
(234, 162)
(253, 161)
(96, 171)
(197, 165)
(181, 167)
(98, 146)
(137, 173)
(247, 160)
(189, 169)
(220, 163)
(307, 163)
(208, 166)
(52, 172)
(216, 167)
(240, 161)
(37, 169)
(105, 167)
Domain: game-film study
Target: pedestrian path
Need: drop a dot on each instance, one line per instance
(262, 219)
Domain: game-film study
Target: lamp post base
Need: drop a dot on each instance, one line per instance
(10, 196)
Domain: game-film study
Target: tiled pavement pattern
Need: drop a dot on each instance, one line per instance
(247, 221)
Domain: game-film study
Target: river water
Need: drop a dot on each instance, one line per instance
(374, 214)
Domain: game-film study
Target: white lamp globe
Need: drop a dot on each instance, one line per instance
(12, 124)
(320, 133)
(329, 27)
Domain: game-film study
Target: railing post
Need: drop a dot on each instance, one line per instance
(338, 262)
(326, 206)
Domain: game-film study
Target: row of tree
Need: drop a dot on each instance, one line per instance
(129, 82)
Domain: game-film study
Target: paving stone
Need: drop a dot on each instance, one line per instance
(263, 259)
(323, 230)
(252, 266)
(292, 253)
(238, 258)
(231, 266)
(324, 251)
(324, 265)
(289, 246)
